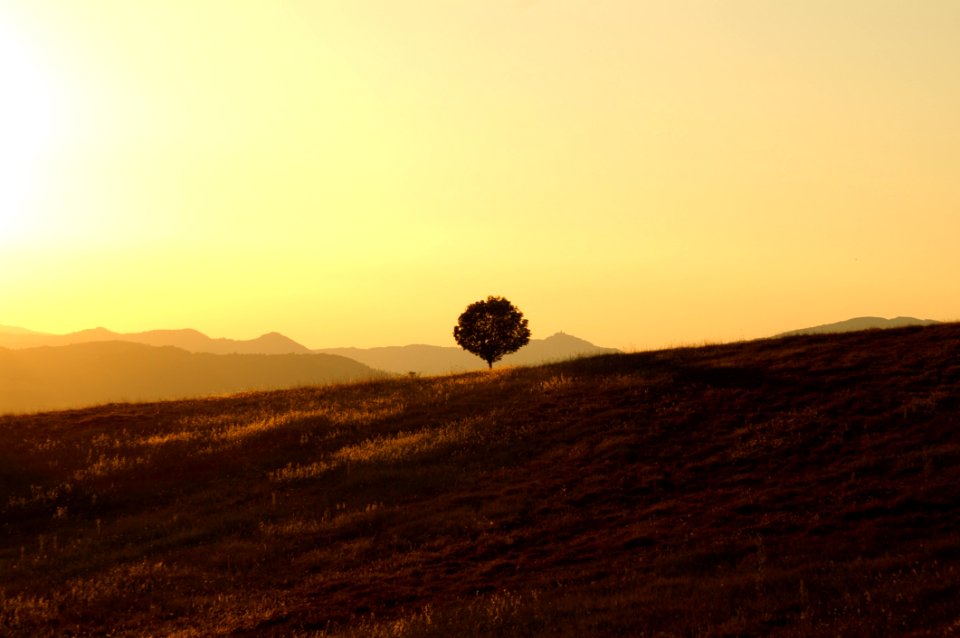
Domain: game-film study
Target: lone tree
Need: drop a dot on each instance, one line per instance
(491, 329)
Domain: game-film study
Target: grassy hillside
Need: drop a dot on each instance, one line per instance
(807, 486)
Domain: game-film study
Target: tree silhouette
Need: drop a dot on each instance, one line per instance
(491, 329)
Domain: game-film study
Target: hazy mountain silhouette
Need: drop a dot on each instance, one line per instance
(189, 340)
(17, 331)
(81, 374)
(860, 323)
(424, 359)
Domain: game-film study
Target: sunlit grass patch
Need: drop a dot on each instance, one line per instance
(554, 382)
(500, 613)
(292, 527)
(338, 517)
(24, 610)
(117, 589)
(105, 465)
(390, 448)
(216, 430)
(182, 436)
(40, 494)
(399, 447)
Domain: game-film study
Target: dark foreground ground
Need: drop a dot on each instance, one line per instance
(807, 486)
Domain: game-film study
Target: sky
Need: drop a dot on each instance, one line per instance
(640, 174)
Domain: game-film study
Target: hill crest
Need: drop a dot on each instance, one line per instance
(428, 359)
(860, 323)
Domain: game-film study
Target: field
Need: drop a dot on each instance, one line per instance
(804, 486)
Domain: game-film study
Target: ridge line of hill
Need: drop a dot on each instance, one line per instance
(419, 359)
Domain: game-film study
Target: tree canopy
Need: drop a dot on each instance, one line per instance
(491, 329)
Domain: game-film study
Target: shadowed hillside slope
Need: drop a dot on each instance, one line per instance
(807, 486)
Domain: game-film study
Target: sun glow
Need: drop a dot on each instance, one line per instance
(637, 174)
(29, 128)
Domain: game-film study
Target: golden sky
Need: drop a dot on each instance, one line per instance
(636, 173)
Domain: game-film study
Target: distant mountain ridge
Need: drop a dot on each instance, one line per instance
(424, 359)
(17, 331)
(81, 374)
(860, 323)
(186, 339)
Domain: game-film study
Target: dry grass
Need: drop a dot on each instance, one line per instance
(807, 486)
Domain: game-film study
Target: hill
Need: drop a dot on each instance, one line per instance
(187, 339)
(13, 330)
(423, 359)
(807, 486)
(90, 373)
(860, 323)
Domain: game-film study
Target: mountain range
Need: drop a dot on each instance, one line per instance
(424, 359)
(860, 323)
(189, 340)
(420, 359)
